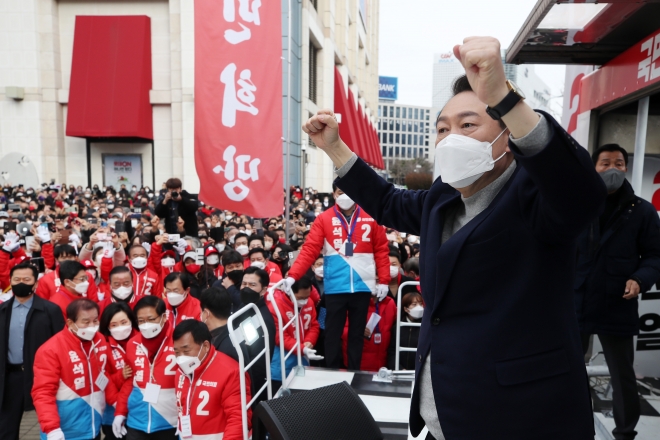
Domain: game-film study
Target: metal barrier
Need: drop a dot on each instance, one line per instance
(400, 324)
(298, 369)
(237, 336)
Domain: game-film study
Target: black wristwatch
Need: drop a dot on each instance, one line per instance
(514, 96)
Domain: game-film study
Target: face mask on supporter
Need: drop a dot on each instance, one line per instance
(268, 245)
(121, 333)
(416, 312)
(87, 333)
(111, 207)
(22, 290)
(189, 364)
(122, 292)
(193, 268)
(208, 224)
(412, 239)
(613, 179)
(220, 247)
(231, 239)
(319, 271)
(301, 303)
(345, 202)
(236, 276)
(228, 217)
(81, 288)
(175, 299)
(168, 262)
(150, 329)
(258, 264)
(394, 271)
(243, 250)
(139, 262)
(212, 259)
(461, 160)
(249, 296)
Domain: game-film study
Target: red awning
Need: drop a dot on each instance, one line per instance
(346, 131)
(111, 78)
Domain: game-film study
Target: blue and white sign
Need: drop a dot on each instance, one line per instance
(388, 88)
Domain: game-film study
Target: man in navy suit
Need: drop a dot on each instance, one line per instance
(499, 354)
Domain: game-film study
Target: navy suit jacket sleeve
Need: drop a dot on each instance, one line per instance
(648, 243)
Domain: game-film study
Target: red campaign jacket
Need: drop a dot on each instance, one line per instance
(109, 299)
(161, 372)
(7, 261)
(50, 283)
(306, 316)
(271, 268)
(190, 308)
(117, 360)
(146, 281)
(374, 356)
(214, 401)
(154, 263)
(369, 264)
(65, 391)
(48, 254)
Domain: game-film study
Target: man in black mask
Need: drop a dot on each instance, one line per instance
(26, 322)
(232, 263)
(618, 259)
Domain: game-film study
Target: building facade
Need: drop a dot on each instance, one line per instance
(405, 132)
(36, 54)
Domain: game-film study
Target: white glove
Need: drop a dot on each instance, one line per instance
(310, 354)
(108, 249)
(288, 283)
(73, 238)
(11, 242)
(118, 428)
(381, 291)
(181, 246)
(55, 434)
(43, 234)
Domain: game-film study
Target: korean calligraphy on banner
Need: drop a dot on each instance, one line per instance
(238, 105)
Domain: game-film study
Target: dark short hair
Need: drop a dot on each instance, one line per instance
(302, 283)
(173, 183)
(257, 251)
(217, 301)
(118, 270)
(254, 237)
(69, 270)
(334, 187)
(150, 301)
(199, 331)
(240, 235)
(110, 311)
(170, 278)
(230, 256)
(609, 148)
(395, 254)
(64, 250)
(79, 305)
(264, 279)
(411, 264)
(25, 265)
(462, 84)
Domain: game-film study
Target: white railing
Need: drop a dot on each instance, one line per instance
(400, 324)
(239, 335)
(298, 369)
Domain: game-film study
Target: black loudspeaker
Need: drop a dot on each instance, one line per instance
(334, 412)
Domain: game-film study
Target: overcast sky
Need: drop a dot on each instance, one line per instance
(411, 31)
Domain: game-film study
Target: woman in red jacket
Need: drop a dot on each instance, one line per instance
(118, 325)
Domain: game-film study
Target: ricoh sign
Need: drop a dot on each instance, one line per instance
(388, 88)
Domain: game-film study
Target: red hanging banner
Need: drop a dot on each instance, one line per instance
(238, 105)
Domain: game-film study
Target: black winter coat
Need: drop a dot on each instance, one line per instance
(627, 248)
(186, 209)
(43, 320)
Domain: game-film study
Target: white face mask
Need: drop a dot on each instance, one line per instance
(345, 202)
(121, 333)
(175, 298)
(208, 224)
(416, 312)
(150, 330)
(87, 333)
(258, 264)
(122, 292)
(268, 245)
(461, 160)
(319, 271)
(189, 364)
(81, 288)
(243, 250)
(394, 271)
(212, 260)
(168, 262)
(139, 262)
(301, 303)
(412, 239)
(220, 247)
